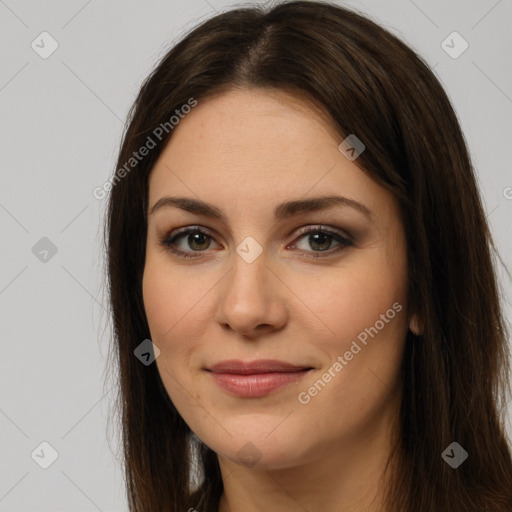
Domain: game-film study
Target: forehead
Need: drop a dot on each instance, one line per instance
(250, 125)
(260, 147)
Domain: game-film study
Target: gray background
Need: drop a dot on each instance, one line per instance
(61, 120)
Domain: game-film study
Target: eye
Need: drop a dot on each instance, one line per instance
(199, 241)
(196, 238)
(322, 238)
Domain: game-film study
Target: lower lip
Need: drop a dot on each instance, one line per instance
(255, 385)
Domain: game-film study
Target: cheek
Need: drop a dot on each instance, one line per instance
(365, 312)
(169, 299)
(351, 300)
(159, 298)
(175, 303)
(169, 305)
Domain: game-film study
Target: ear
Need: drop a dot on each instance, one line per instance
(414, 325)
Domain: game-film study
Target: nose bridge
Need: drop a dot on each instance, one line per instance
(249, 274)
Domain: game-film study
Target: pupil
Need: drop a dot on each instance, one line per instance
(323, 237)
(194, 239)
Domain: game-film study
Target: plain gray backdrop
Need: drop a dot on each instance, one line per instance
(61, 119)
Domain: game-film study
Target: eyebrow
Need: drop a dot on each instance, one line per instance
(282, 211)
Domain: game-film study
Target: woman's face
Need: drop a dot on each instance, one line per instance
(272, 275)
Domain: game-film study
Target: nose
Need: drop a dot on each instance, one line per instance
(251, 298)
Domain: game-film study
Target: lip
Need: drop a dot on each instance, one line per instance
(255, 378)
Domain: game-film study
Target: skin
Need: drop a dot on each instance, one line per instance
(246, 151)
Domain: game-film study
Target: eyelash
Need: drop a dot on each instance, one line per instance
(169, 240)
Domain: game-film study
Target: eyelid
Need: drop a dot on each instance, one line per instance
(187, 229)
(311, 228)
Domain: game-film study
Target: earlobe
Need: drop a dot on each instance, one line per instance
(414, 326)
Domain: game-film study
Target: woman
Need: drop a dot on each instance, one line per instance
(295, 225)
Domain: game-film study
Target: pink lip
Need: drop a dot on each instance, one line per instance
(256, 378)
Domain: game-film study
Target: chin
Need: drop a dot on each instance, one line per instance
(259, 449)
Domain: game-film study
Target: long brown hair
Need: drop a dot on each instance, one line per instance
(456, 373)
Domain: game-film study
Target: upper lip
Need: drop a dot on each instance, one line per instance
(258, 366)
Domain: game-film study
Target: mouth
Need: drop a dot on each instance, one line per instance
(257, 378)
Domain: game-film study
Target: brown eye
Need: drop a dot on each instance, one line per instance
(192, 238)
(190, 242)
(320, 240)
